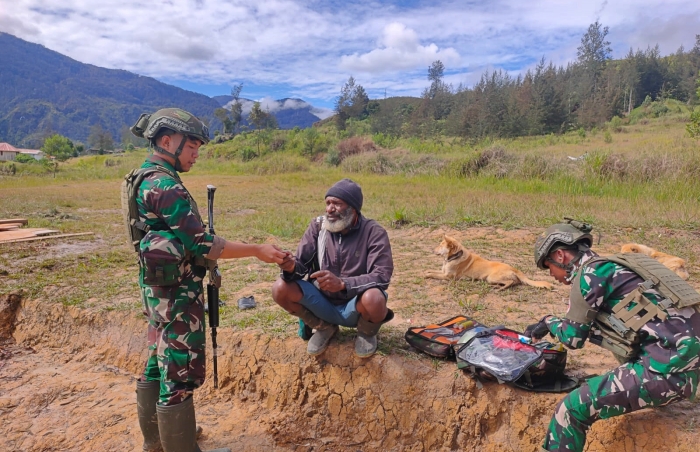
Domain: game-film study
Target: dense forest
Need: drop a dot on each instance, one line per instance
(547, 99)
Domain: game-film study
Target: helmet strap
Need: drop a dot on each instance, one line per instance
(573, 264)
(176, 155)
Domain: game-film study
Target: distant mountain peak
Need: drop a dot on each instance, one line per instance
(290, 112)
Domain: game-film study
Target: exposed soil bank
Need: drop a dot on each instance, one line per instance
(68, 384)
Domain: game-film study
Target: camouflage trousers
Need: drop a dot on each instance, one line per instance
(625, 389)
(176, 339)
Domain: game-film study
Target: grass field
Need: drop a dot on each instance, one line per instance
(641, 186)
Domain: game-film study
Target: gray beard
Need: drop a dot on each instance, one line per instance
(344, 222)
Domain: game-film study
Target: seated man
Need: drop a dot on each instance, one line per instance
(655, 337)
(347, 258)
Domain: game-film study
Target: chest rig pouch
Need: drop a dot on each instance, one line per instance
(620, 329)
(137, 230)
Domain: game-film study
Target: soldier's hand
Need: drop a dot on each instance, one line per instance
(289, 263)
(537, 330)
(328, 281)
(271, 254)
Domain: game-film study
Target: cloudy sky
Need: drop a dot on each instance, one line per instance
(308, 49)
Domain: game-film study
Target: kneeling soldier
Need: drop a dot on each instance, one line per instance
(631, 305)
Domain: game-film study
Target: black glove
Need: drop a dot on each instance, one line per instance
(537, 330)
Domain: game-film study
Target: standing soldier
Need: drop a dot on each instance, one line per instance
(633, 306)
(168, 232)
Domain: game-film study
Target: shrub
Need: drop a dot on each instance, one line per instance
(277, 144)
(693, 126)
(248, 154)
(8, 168)
(353, 146)
(616, 124)
(607, 136)
(332, 158)
(24, 158)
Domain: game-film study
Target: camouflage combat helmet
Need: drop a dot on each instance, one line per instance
(559, 235)
(174, 119)
(170, 118)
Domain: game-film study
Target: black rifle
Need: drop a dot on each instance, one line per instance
(213, 285)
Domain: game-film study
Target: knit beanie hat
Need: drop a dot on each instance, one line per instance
(348, 191)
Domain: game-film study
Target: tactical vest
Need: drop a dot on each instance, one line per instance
(137, 229)
(620, 329)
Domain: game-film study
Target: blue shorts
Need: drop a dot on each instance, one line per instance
(344, 314)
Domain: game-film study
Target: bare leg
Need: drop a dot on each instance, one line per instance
(372, 305)
(288, 295)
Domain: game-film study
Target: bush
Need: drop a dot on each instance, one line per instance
(616, 124)
(353, 146)
(607, 136)
(332, 158)
(474, 164)
(24, 158)
(8, 168)
(248, 154)
(693, 126)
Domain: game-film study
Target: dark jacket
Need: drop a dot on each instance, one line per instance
(361, 258)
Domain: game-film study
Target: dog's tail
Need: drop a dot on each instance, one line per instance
(531, 282)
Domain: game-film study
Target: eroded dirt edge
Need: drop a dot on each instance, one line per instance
(68, 385)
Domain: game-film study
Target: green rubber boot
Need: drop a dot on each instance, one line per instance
(178, 431)
(366, 342)
(146, 398)
(325, 331)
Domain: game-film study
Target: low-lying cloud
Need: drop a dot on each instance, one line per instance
(271, 105)
(400, 49)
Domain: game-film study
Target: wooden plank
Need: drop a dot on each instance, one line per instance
(45, 237)
(15, 220)
(25, 233)
(9, 226)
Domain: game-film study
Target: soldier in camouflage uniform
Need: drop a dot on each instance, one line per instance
(661, 369)
(171, 259)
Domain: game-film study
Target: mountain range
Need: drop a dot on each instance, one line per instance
(44, 92)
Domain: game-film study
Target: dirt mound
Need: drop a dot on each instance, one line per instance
(76, 393)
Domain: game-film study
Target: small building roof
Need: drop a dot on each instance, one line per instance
(6, 147)
(31, 151)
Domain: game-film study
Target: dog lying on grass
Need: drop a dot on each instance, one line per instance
(672, 262)
(461, 263)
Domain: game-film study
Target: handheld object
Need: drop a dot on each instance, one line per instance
(213, 286)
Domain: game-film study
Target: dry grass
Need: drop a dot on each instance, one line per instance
(497, 210)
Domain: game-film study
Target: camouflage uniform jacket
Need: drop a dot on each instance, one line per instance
(361, 258)
(176, 225)
(669, 346)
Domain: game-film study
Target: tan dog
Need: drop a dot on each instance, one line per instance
(674, 263)
(461, 263)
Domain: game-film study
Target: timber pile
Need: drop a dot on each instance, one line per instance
(11, 231)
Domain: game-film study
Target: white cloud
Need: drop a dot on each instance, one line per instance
(273, 106)
(400, 49)
(311, 47)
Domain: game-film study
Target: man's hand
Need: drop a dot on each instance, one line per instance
(271, 254)
(328, 281)
(537, 330)
(289, 263)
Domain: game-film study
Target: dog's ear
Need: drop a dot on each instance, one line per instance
(452, 243)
